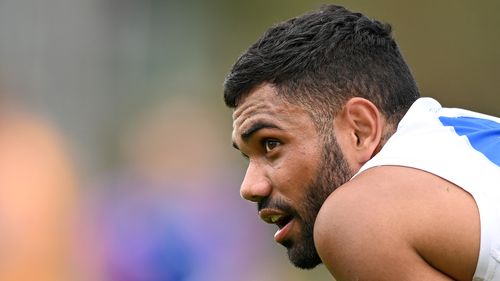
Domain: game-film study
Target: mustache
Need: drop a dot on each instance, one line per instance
(278, 204)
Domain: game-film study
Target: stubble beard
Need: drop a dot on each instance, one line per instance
(333, 172)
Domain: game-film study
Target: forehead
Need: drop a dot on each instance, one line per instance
(264, 105)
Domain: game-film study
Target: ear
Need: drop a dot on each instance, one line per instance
(358, 129)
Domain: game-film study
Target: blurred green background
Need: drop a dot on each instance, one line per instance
(112, 73)
(92, 65)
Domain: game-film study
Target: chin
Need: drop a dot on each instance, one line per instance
(303, 256)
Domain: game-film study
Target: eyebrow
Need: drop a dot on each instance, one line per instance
(246, 135)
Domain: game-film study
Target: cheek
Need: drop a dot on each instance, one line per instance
(307, 160)
(297, 169)
(344, 142)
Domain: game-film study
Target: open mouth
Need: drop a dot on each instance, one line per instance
(276, 217)
(281, 221)
(279, 218)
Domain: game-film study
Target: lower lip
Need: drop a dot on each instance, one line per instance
(282, 233)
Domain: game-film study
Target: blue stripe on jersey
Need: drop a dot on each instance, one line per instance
(483, 134)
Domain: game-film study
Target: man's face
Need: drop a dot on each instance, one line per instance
(291, 170)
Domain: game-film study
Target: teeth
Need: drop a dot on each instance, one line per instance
(275, 218)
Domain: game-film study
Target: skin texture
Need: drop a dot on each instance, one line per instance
(277, 171)
(388, 223)
(397, 223)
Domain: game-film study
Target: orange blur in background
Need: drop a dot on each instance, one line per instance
(37, 196)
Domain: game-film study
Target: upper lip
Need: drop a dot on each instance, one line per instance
(274, 216)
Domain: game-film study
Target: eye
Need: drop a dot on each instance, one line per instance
(270, 144)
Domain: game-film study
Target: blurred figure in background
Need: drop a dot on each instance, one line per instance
(169, 214)
(37, 188)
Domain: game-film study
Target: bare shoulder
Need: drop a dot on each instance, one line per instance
(397, 223)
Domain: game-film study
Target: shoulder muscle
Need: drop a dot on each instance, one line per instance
(382, 226)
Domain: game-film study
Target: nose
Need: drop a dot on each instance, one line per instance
(255, 186)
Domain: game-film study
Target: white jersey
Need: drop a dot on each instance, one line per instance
(462, 147)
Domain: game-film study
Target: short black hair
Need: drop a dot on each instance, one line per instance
(321, 59)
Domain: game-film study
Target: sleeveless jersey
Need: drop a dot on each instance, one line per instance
(462, 147)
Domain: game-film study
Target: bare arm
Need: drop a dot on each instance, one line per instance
(385, 232)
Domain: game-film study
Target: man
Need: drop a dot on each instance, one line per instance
(356, 170)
